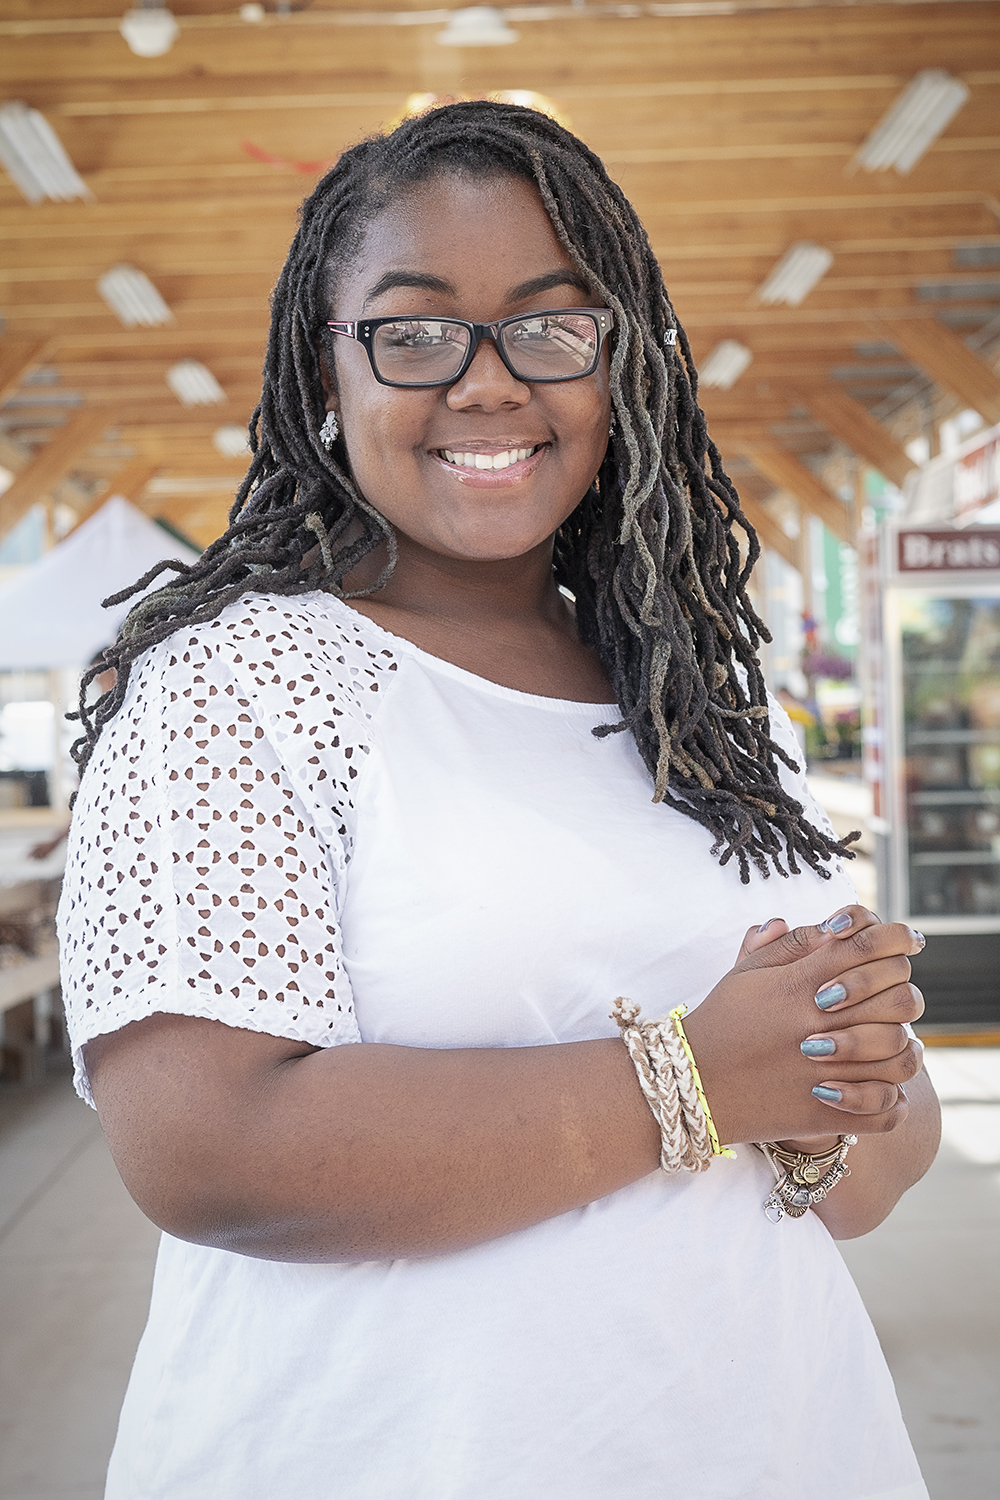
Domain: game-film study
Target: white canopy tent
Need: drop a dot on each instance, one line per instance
(51, 614)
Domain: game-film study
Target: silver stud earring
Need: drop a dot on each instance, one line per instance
(612, 427)
(330, 430)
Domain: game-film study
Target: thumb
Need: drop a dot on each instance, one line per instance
(760, 937)
(788, 945)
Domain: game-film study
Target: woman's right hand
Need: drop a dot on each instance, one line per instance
(747, 1034)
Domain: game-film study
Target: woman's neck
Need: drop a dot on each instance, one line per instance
(503, 620)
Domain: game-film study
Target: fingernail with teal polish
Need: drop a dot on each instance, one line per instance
(764, 925)
(830, 994)
(818, 1046)
(828, 1096)
(836, 924)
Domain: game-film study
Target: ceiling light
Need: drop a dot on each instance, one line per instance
(476, 26)
(34, 156)
(193, 384)
(796, 273)
(231, 440)
(928, 103)
(253, 13)
(133, 298)
(725, 364)
(150, 29)
(529, 99)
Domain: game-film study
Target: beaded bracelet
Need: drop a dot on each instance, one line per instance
(668, 1077)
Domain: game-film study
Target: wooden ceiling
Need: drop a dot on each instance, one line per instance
(729, 123)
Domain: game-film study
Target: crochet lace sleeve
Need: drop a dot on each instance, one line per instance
(200, 879)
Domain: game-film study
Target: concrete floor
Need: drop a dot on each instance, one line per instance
(76, 1260)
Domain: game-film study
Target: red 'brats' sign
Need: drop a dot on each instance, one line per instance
(972, 551)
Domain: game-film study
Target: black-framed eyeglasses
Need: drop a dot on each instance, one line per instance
(561, 344)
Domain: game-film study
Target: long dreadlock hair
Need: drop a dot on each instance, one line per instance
(650, 554)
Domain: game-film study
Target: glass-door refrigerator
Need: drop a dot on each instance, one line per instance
(940, 767)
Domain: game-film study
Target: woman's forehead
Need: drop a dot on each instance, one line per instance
(458, 229)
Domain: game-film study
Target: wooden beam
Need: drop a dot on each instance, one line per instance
(786, 470)
(17, 356)
(948, 360)
(129, 482)
(863, 433)
(769, 533)
(49, 466)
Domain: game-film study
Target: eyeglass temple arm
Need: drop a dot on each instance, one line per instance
(347, 329)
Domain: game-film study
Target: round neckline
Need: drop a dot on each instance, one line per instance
(472, 679)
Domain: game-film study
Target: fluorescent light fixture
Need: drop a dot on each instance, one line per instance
(193, 384)
(231, 440)
(725, 364)
(929, 102)
(476, 26)
(34, 156)
(133, 298)
(796, 273)
(150, 29)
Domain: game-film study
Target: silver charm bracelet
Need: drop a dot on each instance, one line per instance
(802, 1180)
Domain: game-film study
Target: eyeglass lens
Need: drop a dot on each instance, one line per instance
(422, 351)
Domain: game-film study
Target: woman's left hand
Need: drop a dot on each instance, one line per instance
(882, 1166)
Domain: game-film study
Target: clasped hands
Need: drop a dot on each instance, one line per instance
(805, 1036)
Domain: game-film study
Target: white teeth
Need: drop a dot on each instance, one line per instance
(487, 460)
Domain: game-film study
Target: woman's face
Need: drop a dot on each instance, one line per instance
(479, 250)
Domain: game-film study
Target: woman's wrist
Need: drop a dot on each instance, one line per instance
(811, 1145)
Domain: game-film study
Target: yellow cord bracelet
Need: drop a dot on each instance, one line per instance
(717, 1148)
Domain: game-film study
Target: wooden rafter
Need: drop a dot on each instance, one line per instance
(17, 358)
(949, 361)
(863, 434)
(769, 533)
(53, 463)
(788, 473)
(730, 130)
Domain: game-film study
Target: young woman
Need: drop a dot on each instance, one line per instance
(456, 736)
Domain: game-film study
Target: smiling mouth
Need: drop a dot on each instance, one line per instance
(481, 461)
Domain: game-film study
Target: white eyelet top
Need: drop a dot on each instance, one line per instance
(301, 825)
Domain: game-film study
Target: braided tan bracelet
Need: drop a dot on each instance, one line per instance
(665, 1069)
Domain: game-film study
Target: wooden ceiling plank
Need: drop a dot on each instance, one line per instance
(948, 360)
(790, 474)
(863, 433)
(62, 453)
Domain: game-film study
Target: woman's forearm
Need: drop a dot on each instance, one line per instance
(272, 1148)
(362, 1152)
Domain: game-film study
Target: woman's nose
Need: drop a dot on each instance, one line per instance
(487, 383)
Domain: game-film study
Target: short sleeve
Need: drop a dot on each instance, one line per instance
(197, 881)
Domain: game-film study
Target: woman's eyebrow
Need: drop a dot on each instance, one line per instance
(547, 283)
(419, 279)
(423, 281)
